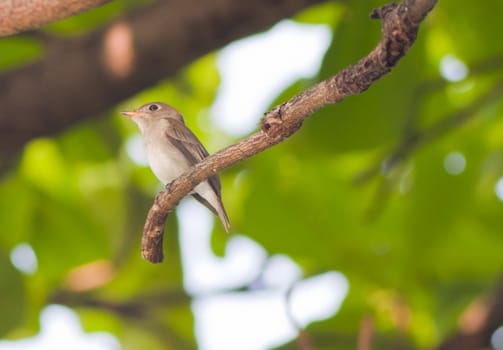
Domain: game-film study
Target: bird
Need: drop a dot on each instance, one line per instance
(172, 148)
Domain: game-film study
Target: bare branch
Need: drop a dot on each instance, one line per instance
(399, 30)
(20, 15)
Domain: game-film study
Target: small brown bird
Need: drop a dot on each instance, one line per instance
(171, 149)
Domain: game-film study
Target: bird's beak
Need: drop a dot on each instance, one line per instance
(129, 114)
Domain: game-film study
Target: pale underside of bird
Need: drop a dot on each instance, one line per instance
(171, 149)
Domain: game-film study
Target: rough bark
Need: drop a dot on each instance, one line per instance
(400, 24)
(20, 15)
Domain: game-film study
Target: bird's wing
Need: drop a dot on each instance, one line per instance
(185, 141)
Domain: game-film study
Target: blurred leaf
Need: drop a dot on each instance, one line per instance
(18, 51)
(88, 20)
(477, 43)
(16, 205)
(12, 302)
(325, 13)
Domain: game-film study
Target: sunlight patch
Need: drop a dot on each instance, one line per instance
(497, 339)
(258, 67)
(23, 257)
(134, 150)
(455, 163)
(60, 328)
(453, 69)
(498, 189)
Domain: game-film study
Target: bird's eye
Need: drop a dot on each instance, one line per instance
(153, 107)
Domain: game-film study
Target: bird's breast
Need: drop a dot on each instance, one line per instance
(165, 160)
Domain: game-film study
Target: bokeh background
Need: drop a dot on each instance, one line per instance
(377, 226)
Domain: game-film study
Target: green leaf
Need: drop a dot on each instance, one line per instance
(12, 302)
(326, 13)
(18, 51)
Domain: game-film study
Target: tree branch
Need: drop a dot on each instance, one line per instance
(399, 30)
(20, 15)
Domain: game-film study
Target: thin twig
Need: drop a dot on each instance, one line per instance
(303, 340)
(400, 23)
(417, 138)
(366, 334)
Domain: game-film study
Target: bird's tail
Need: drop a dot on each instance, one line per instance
(218, 210)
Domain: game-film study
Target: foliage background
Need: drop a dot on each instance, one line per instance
(417, 244)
